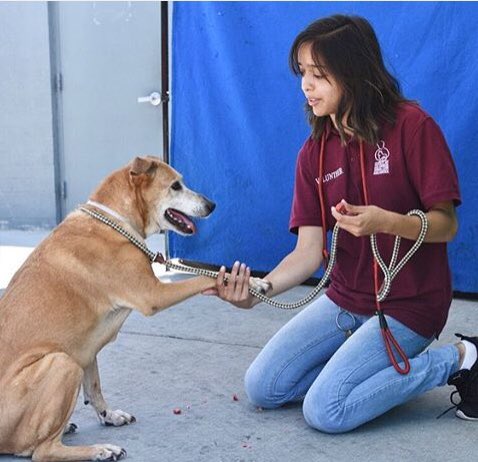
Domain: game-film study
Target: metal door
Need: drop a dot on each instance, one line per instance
(109, 56)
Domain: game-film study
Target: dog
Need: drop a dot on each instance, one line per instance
(71, 297)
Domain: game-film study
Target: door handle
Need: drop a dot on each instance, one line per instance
(154, 98)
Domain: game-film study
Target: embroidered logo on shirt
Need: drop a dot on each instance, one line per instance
(331, 176)
(381, 159)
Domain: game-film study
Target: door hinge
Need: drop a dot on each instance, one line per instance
(63, 190)
(58, 82)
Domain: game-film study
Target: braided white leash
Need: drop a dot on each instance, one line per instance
(389, 272)
(270, 301)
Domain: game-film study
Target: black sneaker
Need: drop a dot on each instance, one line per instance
(466, 383)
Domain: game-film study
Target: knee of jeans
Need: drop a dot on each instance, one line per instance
(322, 413)
(257, 390)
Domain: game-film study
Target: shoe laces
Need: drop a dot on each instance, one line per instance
(455, 405)
(464, 388)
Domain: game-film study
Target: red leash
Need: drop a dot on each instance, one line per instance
(387, 335)
(320, 188)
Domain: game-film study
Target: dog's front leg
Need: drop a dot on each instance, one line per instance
(92, 394)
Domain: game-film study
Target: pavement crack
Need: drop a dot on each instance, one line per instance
(191, 339)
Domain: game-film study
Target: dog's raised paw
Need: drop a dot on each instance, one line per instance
(260, 285)
(116, 418)
(108, 452)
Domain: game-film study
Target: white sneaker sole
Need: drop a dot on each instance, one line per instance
(463, 416)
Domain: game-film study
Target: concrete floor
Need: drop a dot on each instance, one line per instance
(194, 356)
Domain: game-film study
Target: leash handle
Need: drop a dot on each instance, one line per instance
(390, 340)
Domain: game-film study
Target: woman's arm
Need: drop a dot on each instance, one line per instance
(294, 269)
(301, 263)
(362, 220)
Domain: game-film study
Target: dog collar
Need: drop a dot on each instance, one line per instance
(153, 256)
(106, 209)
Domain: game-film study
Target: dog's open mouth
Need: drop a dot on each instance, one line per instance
(180, 221)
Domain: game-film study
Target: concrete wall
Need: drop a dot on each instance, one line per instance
(27, 186)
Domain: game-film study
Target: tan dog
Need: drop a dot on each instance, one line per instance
(71, 297)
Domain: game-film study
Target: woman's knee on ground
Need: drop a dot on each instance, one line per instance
(323, 411)
(260, 389)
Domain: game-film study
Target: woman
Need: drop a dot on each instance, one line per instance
(379, 156)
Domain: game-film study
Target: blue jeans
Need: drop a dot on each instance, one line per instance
(343, 382)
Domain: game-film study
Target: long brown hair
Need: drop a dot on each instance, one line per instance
(348, 48)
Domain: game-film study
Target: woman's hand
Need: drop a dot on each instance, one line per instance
(234, 287)
(360, 220)
(364, 220)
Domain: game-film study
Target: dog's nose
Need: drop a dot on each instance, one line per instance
(210, 206)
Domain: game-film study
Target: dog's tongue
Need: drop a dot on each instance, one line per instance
(183, 221)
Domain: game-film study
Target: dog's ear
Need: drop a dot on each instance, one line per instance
(143, 166)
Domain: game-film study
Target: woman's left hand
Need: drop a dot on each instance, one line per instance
(360, 220)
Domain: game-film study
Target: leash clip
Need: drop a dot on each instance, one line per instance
(382, 320)
(159, 258)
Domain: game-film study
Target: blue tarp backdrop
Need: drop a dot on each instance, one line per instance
(238, 120)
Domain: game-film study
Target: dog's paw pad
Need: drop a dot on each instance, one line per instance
(260, 285)
(116, 418)
(108, 452)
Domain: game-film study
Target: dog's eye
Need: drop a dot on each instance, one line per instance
(176, 186)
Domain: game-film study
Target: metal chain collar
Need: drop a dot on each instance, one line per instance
(152, 256)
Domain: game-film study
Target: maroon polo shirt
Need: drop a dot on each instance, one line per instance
(411, 167)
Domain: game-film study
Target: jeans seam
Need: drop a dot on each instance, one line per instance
(300, 353)
(378, 390)
(343, 382)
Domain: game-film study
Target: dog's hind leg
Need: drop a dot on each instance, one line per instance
(93, 396)
(54, 451)
(66, 385)
(41, 393)
(38, 393)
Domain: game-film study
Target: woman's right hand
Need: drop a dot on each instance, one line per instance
(234, 287)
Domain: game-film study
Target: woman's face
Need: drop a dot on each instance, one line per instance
(320, 88)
